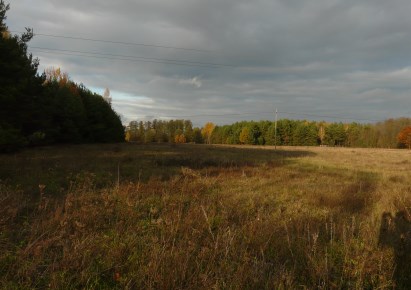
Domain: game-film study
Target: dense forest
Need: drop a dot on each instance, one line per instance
(310, 133)
(173, 131)
(48, 108)
(289, 132)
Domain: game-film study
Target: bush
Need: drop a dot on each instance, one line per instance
(11, 140)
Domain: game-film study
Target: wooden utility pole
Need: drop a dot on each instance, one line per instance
(275, 130)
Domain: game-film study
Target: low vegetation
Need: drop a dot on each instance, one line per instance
(199, 216)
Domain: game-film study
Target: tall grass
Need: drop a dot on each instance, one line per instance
(230, 218)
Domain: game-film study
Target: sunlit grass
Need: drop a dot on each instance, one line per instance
(204, 217)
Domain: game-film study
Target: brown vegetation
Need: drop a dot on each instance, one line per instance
(193, 216)
(404, 137)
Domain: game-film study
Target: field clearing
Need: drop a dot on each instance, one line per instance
(197, 216)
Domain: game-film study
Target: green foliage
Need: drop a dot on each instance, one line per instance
(197, 137)
(353, 135)
(103, 124)
(3, 17)
(311, 133)
(245, 137)
(305, 134)
(163, 132)
(255, 134)
(335, 134)
(285, 130)
(11, 139)
(19, 87)
(289, 132)
(34, 111)
(188, 131)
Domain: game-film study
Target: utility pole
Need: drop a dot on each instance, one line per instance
(275, 130)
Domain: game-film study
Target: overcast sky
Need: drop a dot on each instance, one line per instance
(347, 59)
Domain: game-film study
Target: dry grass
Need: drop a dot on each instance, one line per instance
(205, 217)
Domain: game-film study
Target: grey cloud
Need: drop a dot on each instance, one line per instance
(195, 81)
(319, 57)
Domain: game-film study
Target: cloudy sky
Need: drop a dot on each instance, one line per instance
(225, 61)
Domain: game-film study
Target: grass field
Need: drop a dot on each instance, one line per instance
(207, 217)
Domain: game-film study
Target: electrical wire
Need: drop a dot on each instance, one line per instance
(330, 117)
(115, 42)
(127, 59)
(165, 61)
(221, 115)
(336, 117)
(132, 57)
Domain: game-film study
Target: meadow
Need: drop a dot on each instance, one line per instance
(186, 216)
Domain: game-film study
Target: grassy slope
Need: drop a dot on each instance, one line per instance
(192, 216)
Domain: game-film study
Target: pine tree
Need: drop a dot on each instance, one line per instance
(20, 87)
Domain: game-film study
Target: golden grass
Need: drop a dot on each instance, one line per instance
(205, 217)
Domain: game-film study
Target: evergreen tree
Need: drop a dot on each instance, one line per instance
(43, 109)
(197, 136)
(188, 130)
(20, 87)
(255, 135)
(335, 134)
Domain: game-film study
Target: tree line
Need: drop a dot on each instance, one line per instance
(172, 131)
(391, 133)
(47, 108)
(312, 133)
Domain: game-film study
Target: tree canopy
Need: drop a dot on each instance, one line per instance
(48, 108)
(172, 131)
(311, 133)
(289, 133)
(404, 137)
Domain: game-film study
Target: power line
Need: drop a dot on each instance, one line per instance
(126, 59)
(337, 117)
(114, 42)
(220, 115)
(132, 57)
(331, 117)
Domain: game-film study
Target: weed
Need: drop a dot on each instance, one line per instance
(224, 217)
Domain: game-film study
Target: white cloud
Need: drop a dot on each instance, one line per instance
(195, 81)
